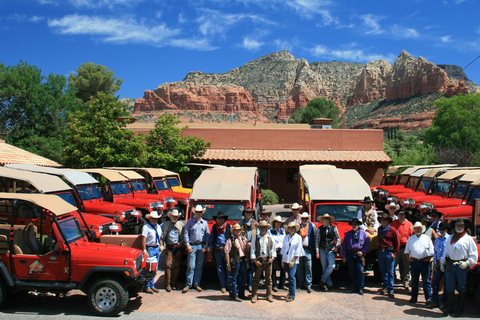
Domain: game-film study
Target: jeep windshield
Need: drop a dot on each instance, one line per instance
(67, 196)
(442, 187)
(460, 190)
(173, 181)
(120, 188)
(232, 210)
(71, 229)
(424, 185)
(162, 184)
(137, 185)
(89, 193)
(474, 195)
(343, 212)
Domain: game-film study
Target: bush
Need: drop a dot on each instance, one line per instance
(269, 197)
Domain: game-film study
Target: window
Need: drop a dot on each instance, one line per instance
(292, 175)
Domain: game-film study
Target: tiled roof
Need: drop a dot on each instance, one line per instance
(296, 155)
(10, 154)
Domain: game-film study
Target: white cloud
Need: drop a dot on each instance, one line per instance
(358, 55)
(404, 33)
(445, 38)
(319, 51)
(36, 19)
(251, 44)
(371, 23)
(113, 30)
(17, 17)
(284, 45)
(103, 3)
(308, 8)
(193, 44)
(181, 19)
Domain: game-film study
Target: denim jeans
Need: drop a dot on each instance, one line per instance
(327, 258)
(304, 270)
(153, 252)
(420, 267)
(222, 271)
(456, 278)
(250, 271)
(403, 266)
(292, 281)
(356, 270)
(195, 266)
(437, 278)
(238, 277)
(387, 267)
(277, 266)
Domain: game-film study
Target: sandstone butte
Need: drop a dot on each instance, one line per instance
(278, 83)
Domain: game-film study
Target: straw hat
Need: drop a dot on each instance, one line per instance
(199, 208)
(153, 214)
(236, 226)
(173, 213)
(264, 223)
(418, 224)
(304, 215)
(296, 206)
(392, 205)
(327, 216)
(277, 219)
(265, 211)
(292, 224)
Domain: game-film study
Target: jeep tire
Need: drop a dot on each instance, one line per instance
(107, 297)
(3, 292)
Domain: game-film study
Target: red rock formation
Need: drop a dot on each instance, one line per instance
(453, 89)
(372, 83)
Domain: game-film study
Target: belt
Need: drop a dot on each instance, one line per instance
(218, 249)
(153, 246)
(306, 247)
(385, 249)
(196, 243)
(451, 260)
(170, 246)
(354, 250)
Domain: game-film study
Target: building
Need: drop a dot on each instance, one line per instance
(10, 154)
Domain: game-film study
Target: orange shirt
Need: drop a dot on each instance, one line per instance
(404, 231)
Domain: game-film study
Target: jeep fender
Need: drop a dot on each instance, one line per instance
(5, 275)
(105, 271)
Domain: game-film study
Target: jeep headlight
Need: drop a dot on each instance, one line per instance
(135, 213)
(124, 214)
(408, 203)
(113, 227)
(427, 205)
(156, 205)
(100, 229)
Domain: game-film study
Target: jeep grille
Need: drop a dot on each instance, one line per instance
(138, 261)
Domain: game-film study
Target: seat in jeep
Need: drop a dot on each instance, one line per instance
(31, 240)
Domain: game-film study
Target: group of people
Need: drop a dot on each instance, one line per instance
(253, 252)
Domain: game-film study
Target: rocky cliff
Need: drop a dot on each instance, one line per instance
(275, 85)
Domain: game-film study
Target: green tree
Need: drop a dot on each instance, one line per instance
(33, 109)
(317, 108)
(409, 150)
(97, 139)
(166, 148)
(91, 78)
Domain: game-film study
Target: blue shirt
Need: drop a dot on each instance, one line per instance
(195, 231)
(439, 248)
(173, 235)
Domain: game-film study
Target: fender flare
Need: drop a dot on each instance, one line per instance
(106, 270)
(5, 274)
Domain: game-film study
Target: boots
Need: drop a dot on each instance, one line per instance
(450, 309)
(168, 288)
(461, 301)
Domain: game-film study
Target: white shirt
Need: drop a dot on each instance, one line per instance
(464, 248)
(265, 251)
(419, 247)
(376, 224)
(149, 233)
(277, 238)
(292, 246)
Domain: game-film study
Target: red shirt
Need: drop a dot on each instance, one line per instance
(404, 231)
(391, 239)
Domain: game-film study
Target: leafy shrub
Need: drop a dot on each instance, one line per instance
(269, 197)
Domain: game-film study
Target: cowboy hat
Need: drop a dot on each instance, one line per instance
(304, 215)
(265, 211)
(292, 224)
(367, 199)
(385, 216)
(199, 208)
(220, 214)
(248, 210)
(327, 216)
(277, 219)
(443, 226)
(459, 221)
(438, 213)
(153, 214)
(173, 213)
(355, 221)
(296, 206)
(418, 224)
(264, 223)
(236, 226)
(392, 205)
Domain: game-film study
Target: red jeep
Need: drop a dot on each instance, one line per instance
(63, 259)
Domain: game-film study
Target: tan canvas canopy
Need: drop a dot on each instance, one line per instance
(394, 169)
(153, 172)
(473, 177)
(229, 183)
(334, 184)
(51, 202)
(44, 183)
(131, 175)
(110, 175)
(452, 174)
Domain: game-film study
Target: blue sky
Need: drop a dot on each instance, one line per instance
(147, 43)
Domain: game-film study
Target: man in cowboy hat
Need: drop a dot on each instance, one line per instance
(439, 248)
(265, 215)
(172, 236)
(304, 270)
(388, 246)
(236, 251)
(216, 243)
(435, 220)
(354, 247)
(460, 253)
(249, 230)
(262, 254)
(327, 242)
(403, 227)
(368, 215)
(292, 250)
(152, 243)
(391, 208)
(278, 234)
(295, 217)
(195, 236)
(419, 252)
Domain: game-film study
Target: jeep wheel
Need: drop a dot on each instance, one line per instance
(107, 297)
(3, 292)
